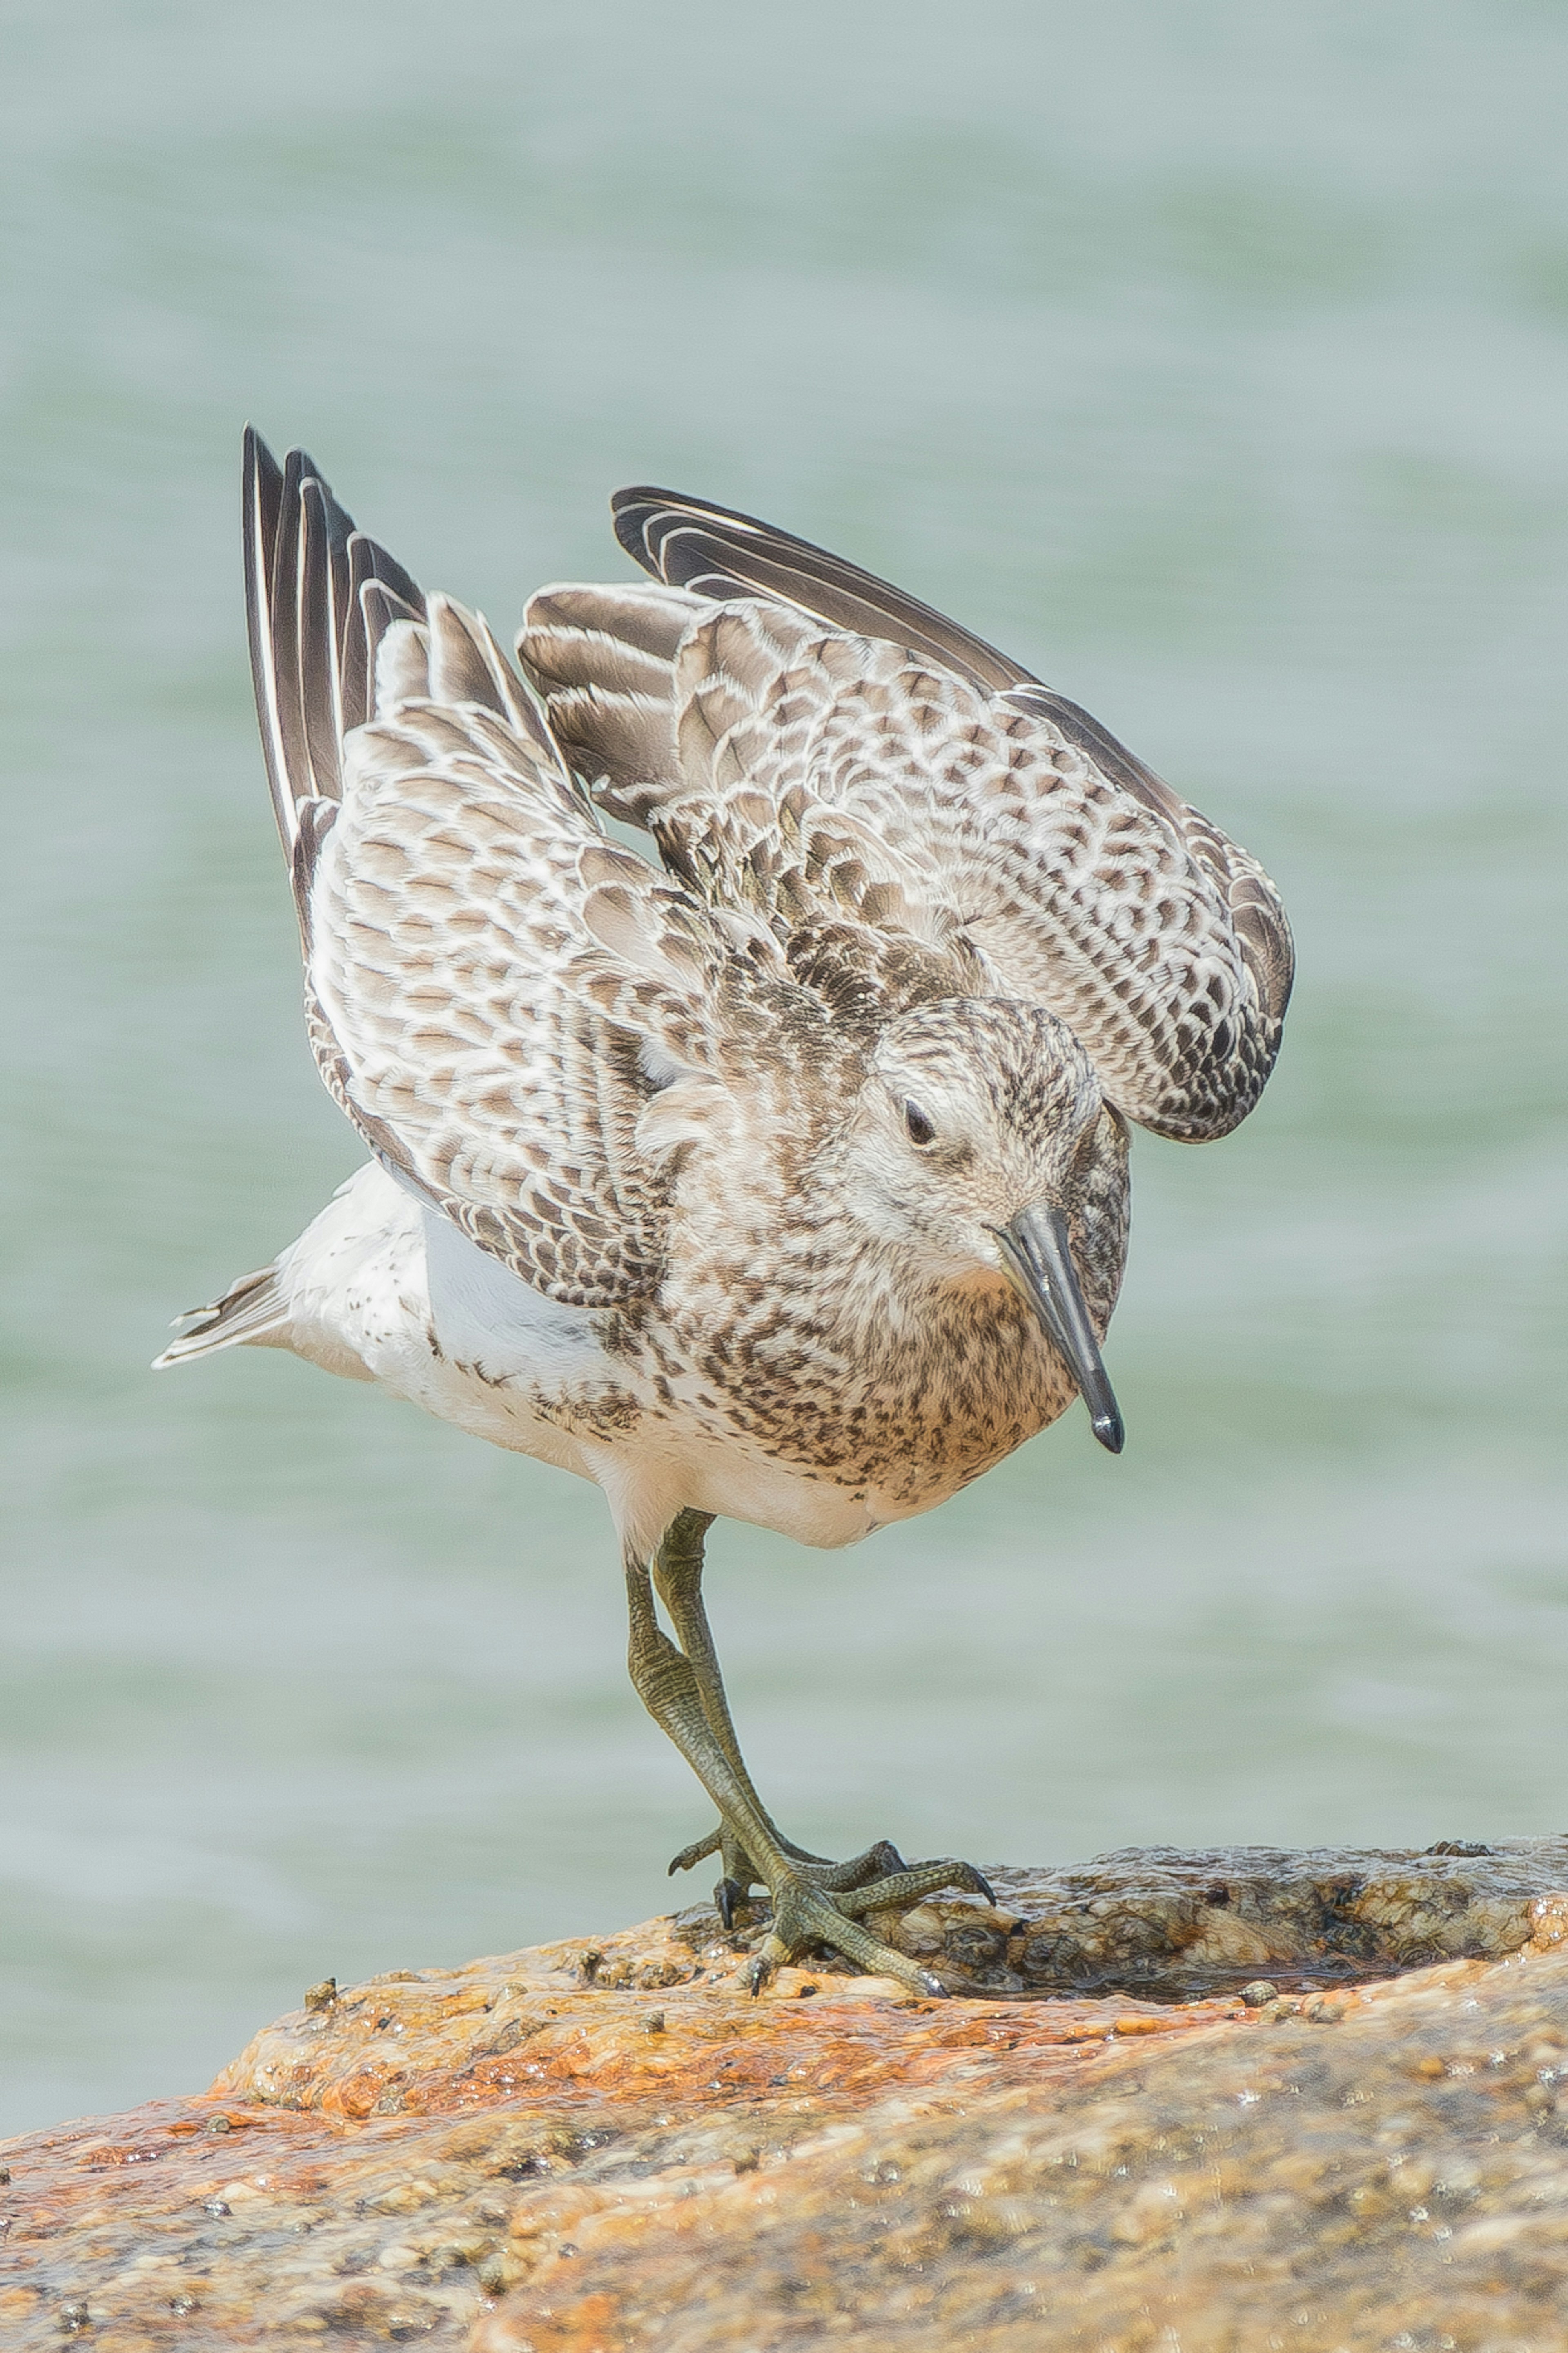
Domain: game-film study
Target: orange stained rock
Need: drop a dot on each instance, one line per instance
(1396, 2173)
(613, 2146)
(562, 2023)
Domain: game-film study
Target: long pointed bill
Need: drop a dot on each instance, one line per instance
(1039, 1256)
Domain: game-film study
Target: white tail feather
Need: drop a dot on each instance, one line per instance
(251, 1310)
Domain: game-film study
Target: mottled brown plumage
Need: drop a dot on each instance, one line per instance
(786, 1178)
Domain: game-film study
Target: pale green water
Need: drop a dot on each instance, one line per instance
(1215, 359)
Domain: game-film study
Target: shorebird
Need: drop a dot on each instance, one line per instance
(784, 1178)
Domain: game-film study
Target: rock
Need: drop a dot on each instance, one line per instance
(1171, 1924)
(591, 2146)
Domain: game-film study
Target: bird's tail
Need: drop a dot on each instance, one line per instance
(254, 1309)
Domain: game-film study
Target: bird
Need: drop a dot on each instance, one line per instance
(765, 1157)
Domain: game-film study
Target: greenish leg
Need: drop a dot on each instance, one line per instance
(678, 1578)
(684, 1698)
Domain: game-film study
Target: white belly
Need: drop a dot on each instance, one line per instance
(382, 1288)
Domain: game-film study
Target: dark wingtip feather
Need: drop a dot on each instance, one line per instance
(263, 480)
(721, 553)
(262, 506)
(311, 665)
(652, 525)
(322, 600)
(627, 509)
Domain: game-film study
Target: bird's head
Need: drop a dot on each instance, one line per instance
(981, 1143)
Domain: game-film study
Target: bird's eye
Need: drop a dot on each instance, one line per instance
(919, 1127)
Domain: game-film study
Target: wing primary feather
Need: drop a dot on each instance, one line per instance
(320, 689)
(380, 592)
(313, 636)
(720, 553)
(283, 629)
(356, 687)
(264, 476)
(261, 503)
(339, 530)
(391, 573)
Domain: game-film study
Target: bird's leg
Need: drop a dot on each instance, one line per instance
(678, 1578)
(804, 1916)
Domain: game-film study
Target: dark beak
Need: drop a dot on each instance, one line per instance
(1039, 1256)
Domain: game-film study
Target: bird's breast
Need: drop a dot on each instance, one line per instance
(899, 1401)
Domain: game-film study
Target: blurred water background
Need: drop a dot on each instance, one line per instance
(1214, 360)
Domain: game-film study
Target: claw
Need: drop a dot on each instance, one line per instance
(934, 1985)
(698, 1852)
(757, 1974)
(728, 1894)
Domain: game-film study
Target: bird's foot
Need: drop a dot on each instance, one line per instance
(808, 1916)
(881, 1860)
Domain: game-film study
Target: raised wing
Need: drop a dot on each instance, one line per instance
(1087, 882)
(720, 556)
(519, 1016)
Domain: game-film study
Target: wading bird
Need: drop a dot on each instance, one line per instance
(786, 1178)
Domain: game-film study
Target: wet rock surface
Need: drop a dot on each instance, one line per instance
(588, 2147)
(1169, 1924)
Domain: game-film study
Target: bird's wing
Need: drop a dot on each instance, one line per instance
(519, 1016)
(698, 723)
(1084, 879)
